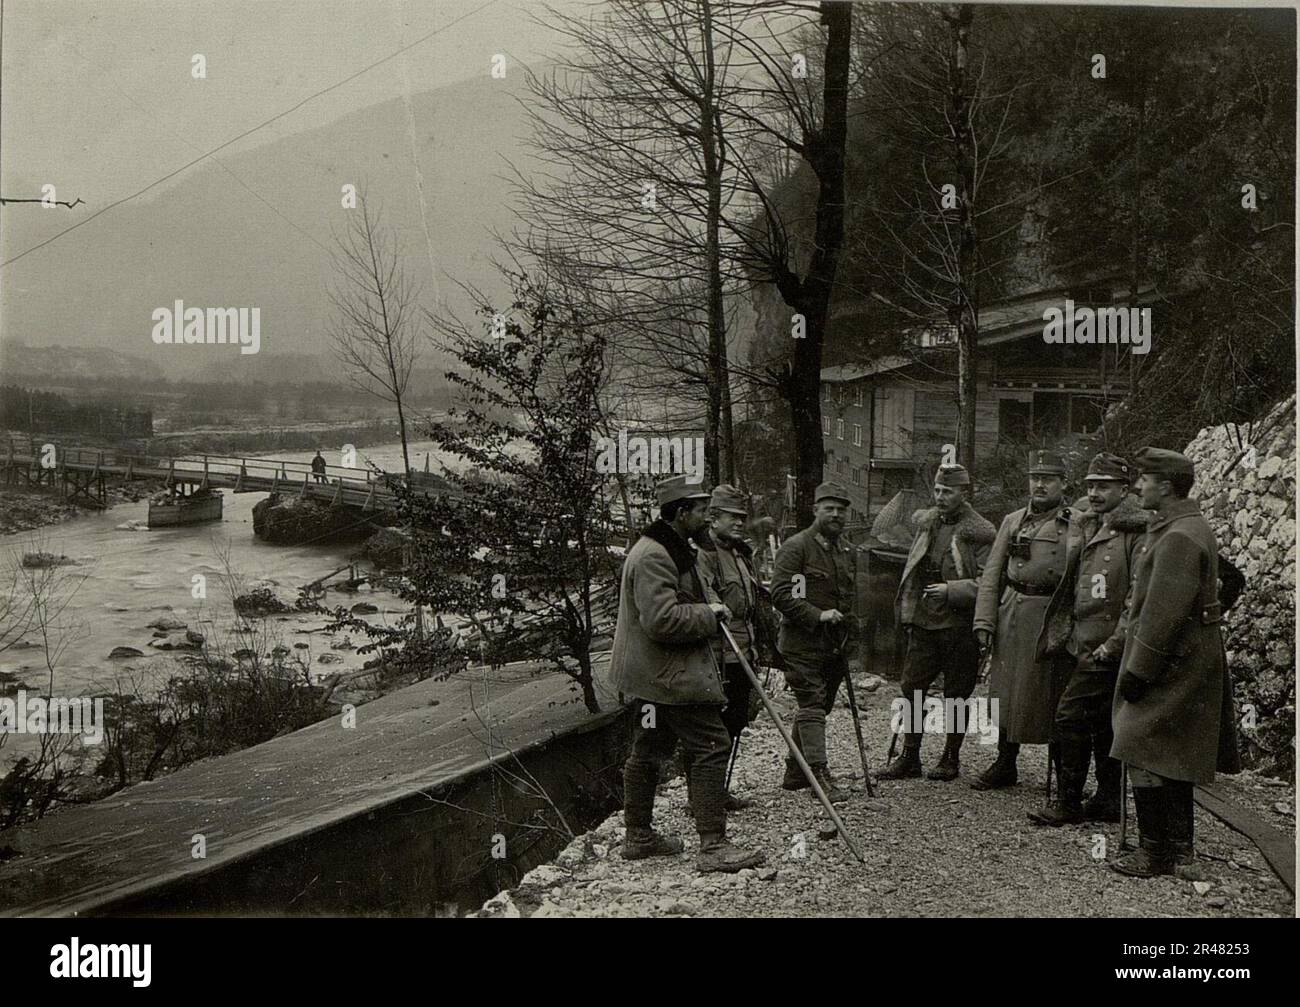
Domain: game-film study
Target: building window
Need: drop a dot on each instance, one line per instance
(857, 435)
(857, 396)
(826, 425)
(857, 477)
(840, 466)
(839, 429)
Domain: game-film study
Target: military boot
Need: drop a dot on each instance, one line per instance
(794, 778)
(1103, 806)
(1003, 772)
(949, 762)
(822, 773)
(641, 841)
(1067, 807)
(1180, 822)
(908, 765)
(732, 803)
(719, 854)
(1153, 855)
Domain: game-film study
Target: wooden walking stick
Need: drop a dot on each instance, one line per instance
(794, 749)
(731, 763)
(857, 721)
(1123, 807)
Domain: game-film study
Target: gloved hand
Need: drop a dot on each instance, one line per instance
(1132, 688)
(984, 638)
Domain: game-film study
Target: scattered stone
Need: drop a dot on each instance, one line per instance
(1201, 887)
(44, 560)
(173, 641)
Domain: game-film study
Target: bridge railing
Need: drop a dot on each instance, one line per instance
(26, 447)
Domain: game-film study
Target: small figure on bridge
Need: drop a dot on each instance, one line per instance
(318, 467)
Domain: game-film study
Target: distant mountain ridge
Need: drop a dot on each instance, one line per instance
(205, 240)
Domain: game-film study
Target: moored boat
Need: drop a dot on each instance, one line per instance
(174, 509)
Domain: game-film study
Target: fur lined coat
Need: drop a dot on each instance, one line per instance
(1087, 608)
(663, 649)
(971, 541)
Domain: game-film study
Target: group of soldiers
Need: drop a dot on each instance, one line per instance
(1098, 622)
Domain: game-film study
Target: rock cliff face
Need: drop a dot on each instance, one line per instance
(1248, 496)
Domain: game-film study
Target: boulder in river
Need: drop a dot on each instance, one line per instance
(174, 641)
(386, 548)
(42, 560)
(293, 520)
(263, 598)
(119, 652)
(365, 608)
(167, 622)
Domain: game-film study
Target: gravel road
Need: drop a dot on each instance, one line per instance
(931, 848)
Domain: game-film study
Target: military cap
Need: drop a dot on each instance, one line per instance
(728, 498)
(952, 475)
(677, 488)
(1163, 463)
(1045, 463)
(1106, 467)
(831, 491)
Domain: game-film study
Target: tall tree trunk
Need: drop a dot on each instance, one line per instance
(963, 140)
(812, 296)
(1135, 253)
(723, 461)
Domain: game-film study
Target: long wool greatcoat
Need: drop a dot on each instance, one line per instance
(663, 649)
(1174, 643)
(1026, 689)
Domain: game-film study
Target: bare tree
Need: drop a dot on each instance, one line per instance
(375, 330)
(636, 174)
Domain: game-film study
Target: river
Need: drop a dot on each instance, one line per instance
(124, 579)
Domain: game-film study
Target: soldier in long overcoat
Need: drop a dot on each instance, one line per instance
(1085, 621)
(1171, 695)
(1024, 568)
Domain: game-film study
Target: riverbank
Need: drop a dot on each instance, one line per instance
(26, 510)
(932, 849)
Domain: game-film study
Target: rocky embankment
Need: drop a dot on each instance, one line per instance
(1246, 485)
(932, 849)
(25, 510)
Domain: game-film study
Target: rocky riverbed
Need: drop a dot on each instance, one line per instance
(932, 849)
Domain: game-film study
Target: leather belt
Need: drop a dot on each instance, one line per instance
(1032, 590)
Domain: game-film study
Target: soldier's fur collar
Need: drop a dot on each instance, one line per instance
(739, 545)
(970, 527)
(1128, 515)
(683, 556)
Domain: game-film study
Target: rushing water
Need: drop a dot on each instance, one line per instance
(131, 577)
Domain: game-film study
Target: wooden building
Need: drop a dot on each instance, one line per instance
(885, 423)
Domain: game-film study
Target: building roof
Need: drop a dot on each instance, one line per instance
(1007, 321)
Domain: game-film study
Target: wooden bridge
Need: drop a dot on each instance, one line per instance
(79, 475)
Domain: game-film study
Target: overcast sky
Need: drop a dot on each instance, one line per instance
(98, 97)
